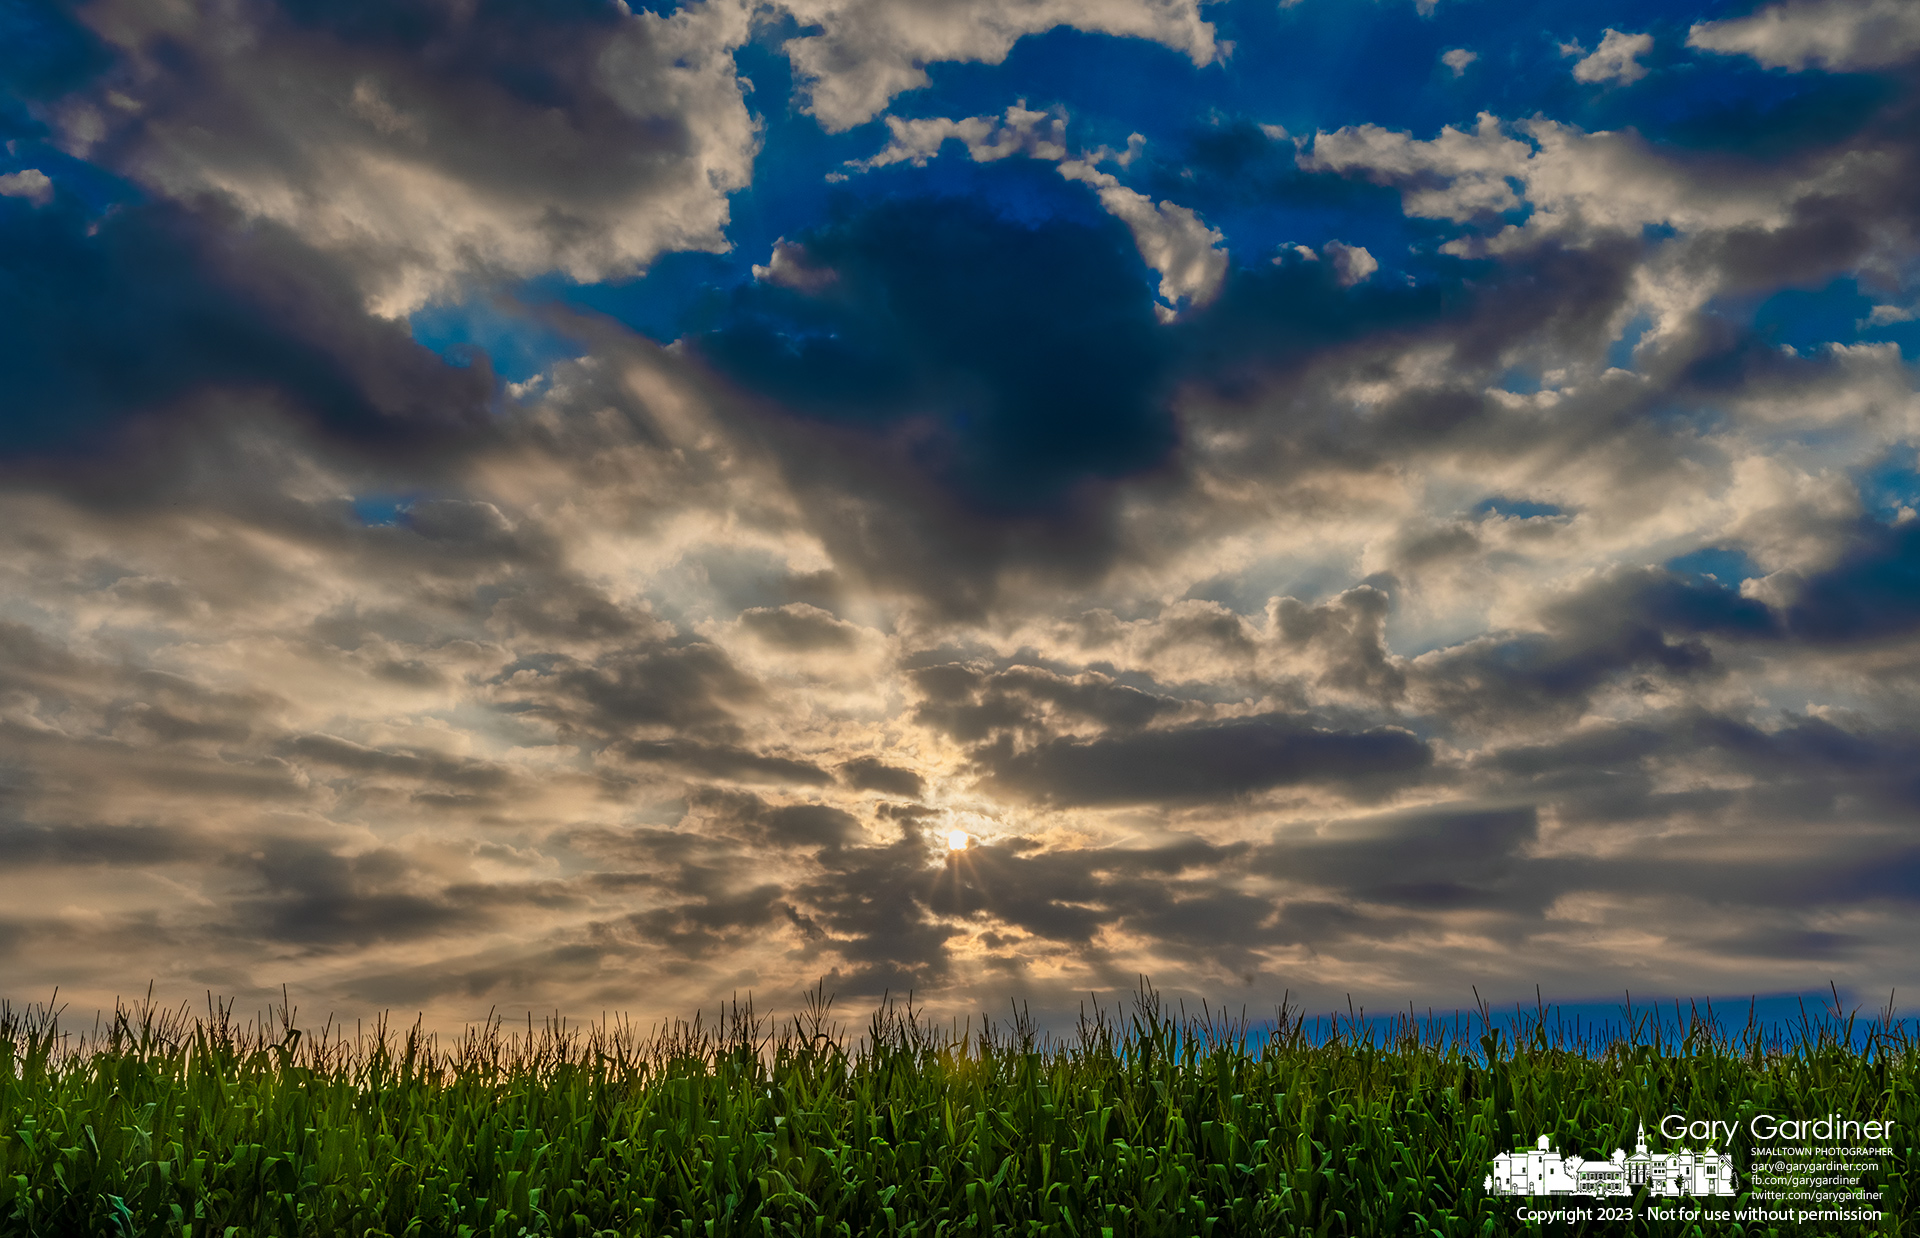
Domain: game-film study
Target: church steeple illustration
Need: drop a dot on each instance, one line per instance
(1640, 1144)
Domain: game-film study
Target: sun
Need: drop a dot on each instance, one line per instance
(956, 840)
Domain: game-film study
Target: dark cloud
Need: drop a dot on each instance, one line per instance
(1273, 317)
(971, 704)
(317, 898)
(1800, 945)
(693, 687)
(1873, 593)
(82, 844)
(170, 727)
(870, 908)
(1350, 635)
(464, 773)
(1648, 620)
(566, 610)
(1419, 861)
(1208, 627)
(44, 52)
(125, 317)
(799, 627)
(509, 45)
(1809, 765)
(1425, 546)
(1655, 620)
(30, 660)
(811, 825)
(699, 927)
(1013, 362)
(747, 816)
(726, 761)
(872, 774)
(1208, 761)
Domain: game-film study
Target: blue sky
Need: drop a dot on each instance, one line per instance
(1300, 69)
(554, 505)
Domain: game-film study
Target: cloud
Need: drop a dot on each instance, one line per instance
(1581, 185)
(1020, 132)
(1206, 761)
(1471, 169)
(1646, 622)
(1447, 858)
(1521, 571)
(867, 51)
(726, 762)
(1872, 593)
(1839, 35)
(125, 317)
(29, 183)
(1123, 792)
(586, 142)
(1012, 368)
(1172, 239)
(691, 688)
(972, 704)
(415, 765)
(918, 140)
(1351, 263)
(1458, 59)
(800, 628)
(872, 774)
(789, 267)
(314, 897)
(79, 843)
(1615, 59)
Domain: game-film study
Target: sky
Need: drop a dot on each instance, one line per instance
(574, 507)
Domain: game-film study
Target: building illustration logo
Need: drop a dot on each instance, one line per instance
(1543, 1171)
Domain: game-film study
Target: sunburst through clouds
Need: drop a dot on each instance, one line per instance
(570, 507)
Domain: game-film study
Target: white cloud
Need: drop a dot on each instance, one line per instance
(1458, 59)
(1173, 240)
(1019, 133)
(791, 267)
(918, 140)
(1576, 181)
(1836, 34)
(29, 183)
(1614, 60)
(1456, 175)
(1352, 264)
(1137, 142)
(868, 51)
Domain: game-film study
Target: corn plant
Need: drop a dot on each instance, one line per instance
(1143, 1122)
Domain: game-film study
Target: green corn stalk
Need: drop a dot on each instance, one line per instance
(1146, 1123)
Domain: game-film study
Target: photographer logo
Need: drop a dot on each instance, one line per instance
(1543, 1171)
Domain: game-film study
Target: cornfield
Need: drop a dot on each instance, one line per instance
(1142, 1121)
